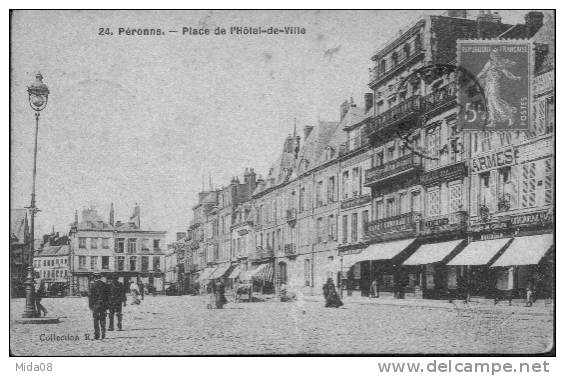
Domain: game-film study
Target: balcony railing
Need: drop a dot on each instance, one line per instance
(354, 143)
(290, 249)
(403, 222)
(262, 253)
(401, 112)
(355, 201)
(446, 223)
(377, 174)
(441, 96)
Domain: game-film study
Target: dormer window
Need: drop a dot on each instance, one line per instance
(406, 50)
(418, 42)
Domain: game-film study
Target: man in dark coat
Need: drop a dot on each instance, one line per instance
(117, 299)
(98, 301)
(141, 288)
(220, 294)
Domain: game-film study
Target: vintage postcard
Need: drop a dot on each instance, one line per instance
(290, 182)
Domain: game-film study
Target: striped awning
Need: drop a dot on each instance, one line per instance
(525, 250)
(263, 272)
(235, 272)
(205, 274)
(220, 271)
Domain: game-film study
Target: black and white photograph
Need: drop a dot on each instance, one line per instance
(283, 183)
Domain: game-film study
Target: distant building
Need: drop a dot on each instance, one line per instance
(19, 251)
(117, 249)
(51, 264)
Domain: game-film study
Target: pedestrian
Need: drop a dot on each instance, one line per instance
(117, 299)
(330, 294)
(39, 294)
(98, 301)
(141, 288)
(529, 294)
(134, 293)
(374, 289)
(220, 294)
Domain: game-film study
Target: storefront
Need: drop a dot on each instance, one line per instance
(428, 263)
(380, 262)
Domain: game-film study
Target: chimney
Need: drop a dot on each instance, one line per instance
(368, 101)
(249, 178)
(488, 24)
(342, 110)
(111, 221)
(459, 13)
(534, 21)
(307, 130)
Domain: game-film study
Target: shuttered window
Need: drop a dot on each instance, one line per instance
(433, 202)
(528, 194)
(455, 197)
(548, 182)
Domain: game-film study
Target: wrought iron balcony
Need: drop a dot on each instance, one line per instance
(402, 112)
(262, 253)
(398, 223)
(355, 201)
(445, 223)
(394, 168)
(441, 97)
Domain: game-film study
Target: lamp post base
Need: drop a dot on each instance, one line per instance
(30, 310)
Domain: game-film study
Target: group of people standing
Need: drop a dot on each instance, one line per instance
(104, 297)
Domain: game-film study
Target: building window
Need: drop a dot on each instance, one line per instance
(544, 115)
(331, 228)
(364, 221)
(484, 190)
(301, 198)
(345, 184)
(331, 189)
(390, 153)
(144, 263)
(132, 245)
(82, 242)
(132, 263)
(307, 273)
(93, 262)
(394, 59)
(506, 189)
(120, 245)
(528, 185)
(403, 203)
(406, 50)
(417, 42)
(319, 229)
(434, 202)
(356, 182)
(354, 228)
(145, 245)
(344, 229)
(379, 211)
(105, 243)
(548, 182)
(105, 262)
(93, 243)
(390, 207)
(455, 197)
(378, 159)
(156, 263)
(433, 147)
(319, 198)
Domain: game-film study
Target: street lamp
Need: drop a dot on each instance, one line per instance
(38, 94)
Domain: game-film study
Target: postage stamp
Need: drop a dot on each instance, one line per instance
(499, 97)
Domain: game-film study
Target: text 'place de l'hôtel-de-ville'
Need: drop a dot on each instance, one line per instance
(394, 190)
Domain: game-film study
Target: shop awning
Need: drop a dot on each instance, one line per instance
(525, 250)
(379, 251)
(430, 253)
(479, 253)
(220, 271)
(263, 272)
(235, 272)
(205, 274)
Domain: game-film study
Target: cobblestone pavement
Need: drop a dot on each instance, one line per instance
(181, 325)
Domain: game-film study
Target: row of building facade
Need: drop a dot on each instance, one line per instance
(395, 191)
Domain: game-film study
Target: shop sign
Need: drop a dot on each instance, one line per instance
(540, 217)
(500, 158)
(447, 173)
(543, 83)
(490, 226)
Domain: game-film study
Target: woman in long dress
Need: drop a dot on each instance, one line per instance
(495, 69)
(134, 293)
(330, 293)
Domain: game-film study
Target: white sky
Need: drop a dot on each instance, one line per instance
(143, 119)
